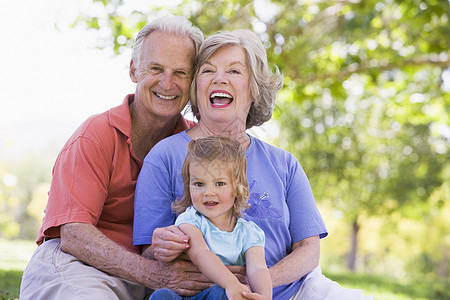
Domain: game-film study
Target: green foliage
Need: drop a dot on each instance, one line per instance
(23, 183)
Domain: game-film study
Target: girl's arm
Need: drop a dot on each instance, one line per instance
(257, 272)
(210, 265)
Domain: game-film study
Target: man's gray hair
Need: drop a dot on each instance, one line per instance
(170, 24)
(264, 85)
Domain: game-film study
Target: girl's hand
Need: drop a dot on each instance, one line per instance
(254, 296)
(236, 292)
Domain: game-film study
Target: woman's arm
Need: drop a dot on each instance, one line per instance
(257, 273)
(303, 259)
(210, 265)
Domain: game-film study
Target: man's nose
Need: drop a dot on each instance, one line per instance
(166, 81)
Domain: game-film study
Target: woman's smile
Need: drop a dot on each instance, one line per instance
(220, 98)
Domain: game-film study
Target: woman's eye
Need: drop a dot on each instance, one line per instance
(234, 71)
(206, 71)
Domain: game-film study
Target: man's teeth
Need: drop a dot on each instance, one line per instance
(222, 95)
(165, 97)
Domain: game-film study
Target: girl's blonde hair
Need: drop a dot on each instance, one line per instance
(209, 150)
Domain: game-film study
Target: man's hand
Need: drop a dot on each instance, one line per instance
(168, 243)
(239, 272)
(182, 277)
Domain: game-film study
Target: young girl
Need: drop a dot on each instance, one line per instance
(215, 192)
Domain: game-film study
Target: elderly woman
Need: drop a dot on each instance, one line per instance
(234, 90)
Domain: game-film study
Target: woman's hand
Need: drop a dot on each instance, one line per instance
(168, 243)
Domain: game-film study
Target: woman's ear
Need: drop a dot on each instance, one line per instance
(133, 72)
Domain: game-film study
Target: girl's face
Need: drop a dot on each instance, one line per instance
(212, 193)
(223, 87)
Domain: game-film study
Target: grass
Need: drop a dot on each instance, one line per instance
(14, 256)
(386, 288)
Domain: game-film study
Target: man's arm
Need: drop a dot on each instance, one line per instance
(303, 259)
(91, 246)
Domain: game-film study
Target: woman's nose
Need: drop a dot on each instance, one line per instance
(219, 78)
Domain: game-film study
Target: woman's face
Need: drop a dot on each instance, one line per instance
(223, 88)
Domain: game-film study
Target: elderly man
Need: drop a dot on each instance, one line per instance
(85, 242)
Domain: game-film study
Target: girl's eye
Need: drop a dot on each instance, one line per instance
(220, 183)
(198, 184)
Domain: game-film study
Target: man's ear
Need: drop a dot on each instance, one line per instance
(133, 72)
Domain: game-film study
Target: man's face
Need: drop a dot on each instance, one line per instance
(163, 75)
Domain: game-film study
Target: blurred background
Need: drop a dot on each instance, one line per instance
(365, 108)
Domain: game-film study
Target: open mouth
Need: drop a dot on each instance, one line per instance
(210, 203)
(220, 98)
(164, 97)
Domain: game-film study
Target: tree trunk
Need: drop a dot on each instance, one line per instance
(443, 266)
(351, 257)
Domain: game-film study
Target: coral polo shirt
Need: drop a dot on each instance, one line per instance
(94, 177)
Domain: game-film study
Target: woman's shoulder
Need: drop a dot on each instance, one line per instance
(262, 147)
(173, 140)
(174, 145)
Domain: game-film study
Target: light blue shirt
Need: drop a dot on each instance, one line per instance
(230, 247)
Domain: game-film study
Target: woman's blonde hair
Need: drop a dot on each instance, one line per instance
(213, 149)
(264, 85)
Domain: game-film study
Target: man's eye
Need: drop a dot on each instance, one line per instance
(155, 69)
(181, 74)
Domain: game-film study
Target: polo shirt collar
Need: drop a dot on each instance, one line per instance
(119, 116)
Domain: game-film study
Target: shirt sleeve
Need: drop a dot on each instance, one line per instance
(305, 218)
(190, 216)
(255, 236)
(79, 185)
